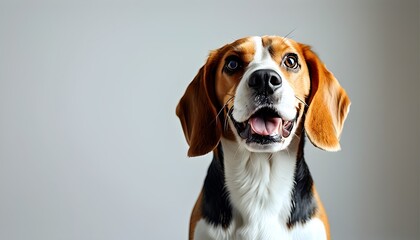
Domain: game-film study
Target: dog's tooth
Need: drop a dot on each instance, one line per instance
(280, 130)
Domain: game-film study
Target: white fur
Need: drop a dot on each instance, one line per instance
(260, 187)
(205, 231)
(312, 230)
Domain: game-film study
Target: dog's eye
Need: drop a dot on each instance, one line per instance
(291, 61)
(232, 64)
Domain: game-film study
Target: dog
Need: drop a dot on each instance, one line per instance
(252, 104)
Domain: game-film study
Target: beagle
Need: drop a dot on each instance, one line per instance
(252, 104)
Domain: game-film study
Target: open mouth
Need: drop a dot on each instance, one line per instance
(265, 126)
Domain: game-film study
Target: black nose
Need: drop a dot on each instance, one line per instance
(264, 81)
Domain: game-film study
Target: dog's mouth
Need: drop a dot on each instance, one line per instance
(265, 126)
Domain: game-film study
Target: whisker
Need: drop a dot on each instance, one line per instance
(270, 159)
(302, 132)
(237, 151)
(296, 135)
(288, 152)
(224, 106)
(226, 119)
(288, 34)
(300, 100)
(225, 125)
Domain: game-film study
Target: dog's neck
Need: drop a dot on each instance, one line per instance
(260, 184)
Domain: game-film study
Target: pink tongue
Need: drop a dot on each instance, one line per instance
(265, 126)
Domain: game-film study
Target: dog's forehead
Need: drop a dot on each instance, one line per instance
(250, 48)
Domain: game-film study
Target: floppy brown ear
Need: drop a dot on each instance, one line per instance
(328, 105)
(197, 112)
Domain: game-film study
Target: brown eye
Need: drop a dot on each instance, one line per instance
(291, 61)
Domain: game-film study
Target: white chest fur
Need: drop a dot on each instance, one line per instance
(260, 187)
(311, 230)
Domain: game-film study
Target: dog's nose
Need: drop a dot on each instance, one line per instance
(265, 81)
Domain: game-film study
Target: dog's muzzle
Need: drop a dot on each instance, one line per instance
(265, 125)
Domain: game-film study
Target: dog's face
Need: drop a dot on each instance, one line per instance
(260, 92)
(260, 80)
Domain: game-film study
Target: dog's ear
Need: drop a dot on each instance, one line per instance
(328, 105)
(197, 111)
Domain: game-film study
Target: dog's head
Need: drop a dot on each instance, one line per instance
(260, 92)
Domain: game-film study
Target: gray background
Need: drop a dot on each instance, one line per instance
(90, 147)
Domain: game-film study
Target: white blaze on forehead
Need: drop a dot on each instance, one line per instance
(262, 58)
(258, 55)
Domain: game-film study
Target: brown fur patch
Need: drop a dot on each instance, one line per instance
(329, 100)
(196, 215)
(321, 213)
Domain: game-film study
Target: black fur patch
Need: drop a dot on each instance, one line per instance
(303, 202)
(215, 205)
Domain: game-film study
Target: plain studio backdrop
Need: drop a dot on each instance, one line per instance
(90, 147)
